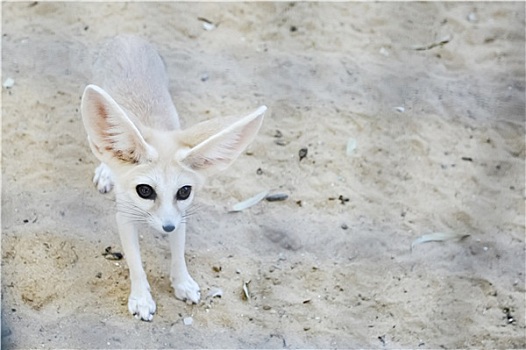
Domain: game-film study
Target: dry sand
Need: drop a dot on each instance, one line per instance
(433, 95)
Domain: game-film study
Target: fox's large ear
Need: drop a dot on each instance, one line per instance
(112, 135)
(214, 144)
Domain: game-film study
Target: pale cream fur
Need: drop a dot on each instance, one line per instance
(134, 130)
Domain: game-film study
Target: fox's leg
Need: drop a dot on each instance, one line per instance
(184, 286)
(103, 178)
(140, 302)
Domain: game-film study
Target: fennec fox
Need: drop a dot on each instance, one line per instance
(155, 167)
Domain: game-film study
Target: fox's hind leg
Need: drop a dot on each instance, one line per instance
(103, 178)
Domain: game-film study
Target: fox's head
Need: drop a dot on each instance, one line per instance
(156, 172)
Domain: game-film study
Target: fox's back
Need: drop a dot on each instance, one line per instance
(132, 72)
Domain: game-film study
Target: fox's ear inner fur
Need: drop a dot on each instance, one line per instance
(214, 144)
(112, 135)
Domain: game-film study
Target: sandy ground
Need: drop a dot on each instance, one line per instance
(433, 96)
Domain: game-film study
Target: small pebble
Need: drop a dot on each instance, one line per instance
(472, 17)
(351, 146)
(344, 226)
(303, 153)
(8, 83)
(187, 321)
(215, 293)
(207, 24)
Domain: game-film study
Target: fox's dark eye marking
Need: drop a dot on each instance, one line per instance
(146, 192)
(183, 193)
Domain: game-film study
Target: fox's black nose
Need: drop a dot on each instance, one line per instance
(168, 228)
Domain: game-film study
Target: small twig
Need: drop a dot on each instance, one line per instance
(202, 19)
(433, 45)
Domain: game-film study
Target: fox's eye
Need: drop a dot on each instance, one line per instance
(146, 192)
(183, 193)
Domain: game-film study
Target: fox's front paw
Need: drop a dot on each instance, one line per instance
(187, 290)
(142, 305)
(103, 178)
